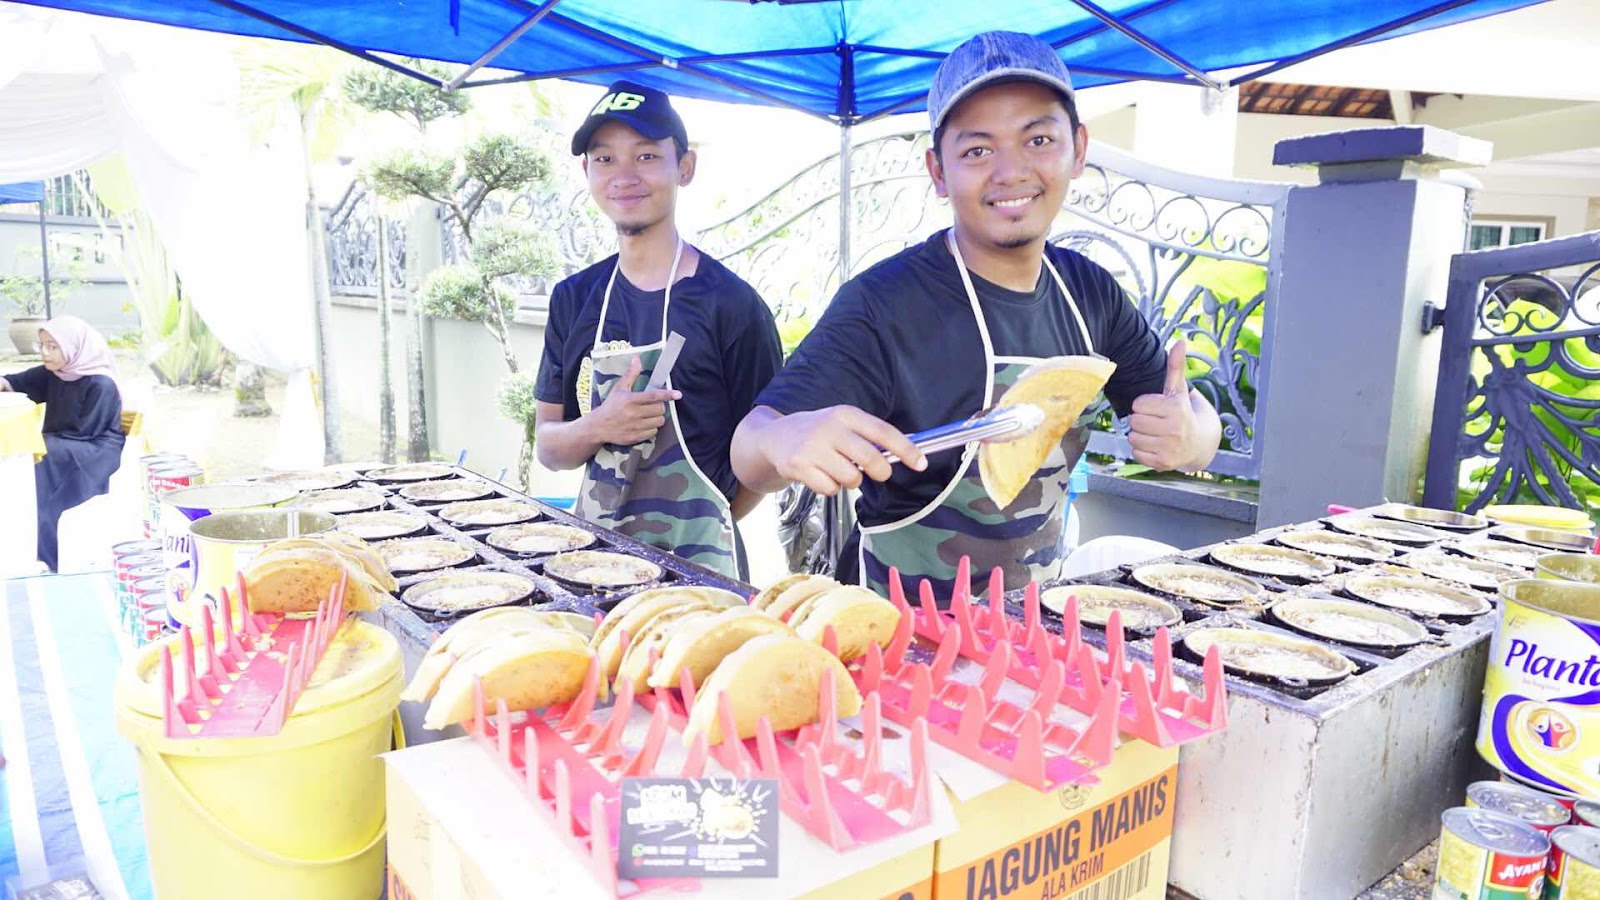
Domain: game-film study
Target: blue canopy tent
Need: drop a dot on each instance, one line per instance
(846, 60)
(33, 192)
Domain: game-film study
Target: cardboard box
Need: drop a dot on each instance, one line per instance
(459, 828)
(1016, 843)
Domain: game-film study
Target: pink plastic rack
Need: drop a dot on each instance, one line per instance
(248, 677)
(1031, 744)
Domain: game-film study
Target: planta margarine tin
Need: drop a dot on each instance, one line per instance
(1541, 693)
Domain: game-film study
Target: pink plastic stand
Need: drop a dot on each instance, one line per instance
(1030, 744)
(842, 795)
(248, 678)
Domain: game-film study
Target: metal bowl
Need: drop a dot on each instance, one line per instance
(1390, 530)
(1475, 573)
(1267, 656)
(1096, 603)
(346, 500)
(411, 472)
(1419, 596)
(409, 555)
(382, 525)
(1197, 584)
(1348, 622)
(1323, 542)
(450, 595)
(310, 481)
(1506, 553)
(539, 539)
(450, 490)
(1449, 520)
(1548, 538)
(1274, 562)
(600, 570)
(474, 513)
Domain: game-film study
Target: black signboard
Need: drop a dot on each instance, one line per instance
(698, 828)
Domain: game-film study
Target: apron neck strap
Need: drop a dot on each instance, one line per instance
(611, 282)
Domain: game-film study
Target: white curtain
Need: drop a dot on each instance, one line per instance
(75, 89)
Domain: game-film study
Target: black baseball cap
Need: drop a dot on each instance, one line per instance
(645, 110)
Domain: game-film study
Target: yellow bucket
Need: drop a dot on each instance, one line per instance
(1541, 694)
(1580, 567)
(299, 814)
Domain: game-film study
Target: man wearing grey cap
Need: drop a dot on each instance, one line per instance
(650, 430)
(936, 333)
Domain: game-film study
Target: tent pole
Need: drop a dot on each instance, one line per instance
(835, 508)
(44, 256)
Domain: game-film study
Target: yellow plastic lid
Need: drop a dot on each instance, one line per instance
(360, 659)
(1556, 517)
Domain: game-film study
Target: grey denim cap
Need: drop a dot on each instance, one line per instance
(992, 57)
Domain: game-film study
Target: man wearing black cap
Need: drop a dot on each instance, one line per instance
(653, 444)
(936, 333)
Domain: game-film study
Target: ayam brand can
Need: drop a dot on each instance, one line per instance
(1586, 812)
(1574, 870)
(1485, 855)
(129, 548)
(1541, 691)
(1527, 804)
(125, 564)
(1561, 797)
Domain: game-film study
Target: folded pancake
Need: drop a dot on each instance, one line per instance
(1062, 388)
(785, 602)
(766, 595)
(859, 618)
(469, 634)
(775, 676)
(702, 642)
(298, 579)
(636, 664)
(347, 545)
(529, 671)
(608, 638)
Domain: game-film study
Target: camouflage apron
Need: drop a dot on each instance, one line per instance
(1026, 540)
(652, 491)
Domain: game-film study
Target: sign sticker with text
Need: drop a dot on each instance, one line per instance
(698, 828)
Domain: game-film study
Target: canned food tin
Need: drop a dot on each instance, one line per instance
(1485, 855)
(1574, 871)
(169, 478)
(1518, 802)
(154, 570)
(124, 564)
(147, 587)
(129, 548)
(152, 624)
(1561, 797)
(1586, 812)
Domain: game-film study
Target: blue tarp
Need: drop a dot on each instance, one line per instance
(844, 59)
(22, 192)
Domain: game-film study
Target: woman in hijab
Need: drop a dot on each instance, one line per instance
(82, 421)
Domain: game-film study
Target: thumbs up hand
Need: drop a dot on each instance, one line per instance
(1175, 429)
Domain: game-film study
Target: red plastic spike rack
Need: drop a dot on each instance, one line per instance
(249, 674)
(1030, 743)
(839, 791)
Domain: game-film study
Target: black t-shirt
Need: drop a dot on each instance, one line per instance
(87, 409)
(730, 349)
(899, 341)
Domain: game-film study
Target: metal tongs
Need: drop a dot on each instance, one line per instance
(1006, 423)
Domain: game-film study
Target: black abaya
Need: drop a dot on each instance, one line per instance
(83, 439)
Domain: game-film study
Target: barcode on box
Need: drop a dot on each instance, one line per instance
(1119, 885)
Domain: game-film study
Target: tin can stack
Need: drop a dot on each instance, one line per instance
(140, 582)
(1515, 841)
(162, 472)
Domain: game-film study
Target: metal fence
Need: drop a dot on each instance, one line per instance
(1515, 414)
(353, 246)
